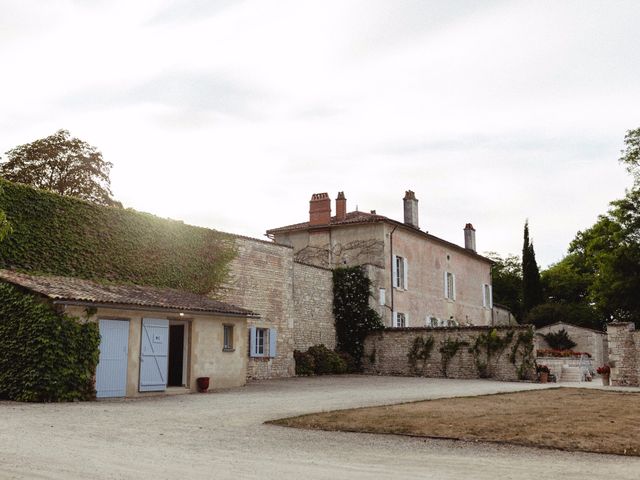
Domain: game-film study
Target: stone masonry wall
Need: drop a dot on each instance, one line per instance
(313, 307)
(586, 340)
(624, 354)
(261, 280)
(387, 353)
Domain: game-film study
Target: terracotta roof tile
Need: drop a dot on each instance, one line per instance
(79, 290)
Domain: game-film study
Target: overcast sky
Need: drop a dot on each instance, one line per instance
(230, 114)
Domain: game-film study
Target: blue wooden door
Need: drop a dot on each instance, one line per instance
(154, 355)
(111, 373)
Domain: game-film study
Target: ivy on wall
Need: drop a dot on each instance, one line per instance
(487, 346)
(354, 317)
(522, 355)
(420, 351)
(448, 349)
(65, 236)
(45, 356)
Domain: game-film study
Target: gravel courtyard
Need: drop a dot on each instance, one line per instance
(222, 435)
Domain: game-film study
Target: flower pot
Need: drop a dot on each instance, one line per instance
(203, 384)
(544, 377)
(605, 380)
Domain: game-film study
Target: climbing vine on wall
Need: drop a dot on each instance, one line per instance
(488, 346)
(522, 351)
(448, 349)
(420, 351)
(354, 317)
(70, 237)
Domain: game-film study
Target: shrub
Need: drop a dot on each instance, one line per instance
(559, 340)
(305, 363)
(319, 360)
(45, 356)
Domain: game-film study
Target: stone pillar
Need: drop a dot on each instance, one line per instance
(623, 355)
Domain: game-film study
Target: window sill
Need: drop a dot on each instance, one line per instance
(228, 349)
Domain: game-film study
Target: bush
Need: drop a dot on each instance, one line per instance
(45, 356)
(559, 340)
(319, 360)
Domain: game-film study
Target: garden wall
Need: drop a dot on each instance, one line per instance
(586, 339)
(624, 353)
(393, 352)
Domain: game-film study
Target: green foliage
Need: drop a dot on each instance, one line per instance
(44, 356)
(319, 360)
(580, 314)
(531, 284)
(522, 353)
(65, 236)
(506, 278)
(486, 346)
(420, 350)
(559, 340)
(631, 154)
(448, 349)
(61, 164)
(354, 318)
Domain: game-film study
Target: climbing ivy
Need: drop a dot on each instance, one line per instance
(354, 317)
(420, 350)
(448, 349)
(523, 348)
(66, 236)
(45, 356)
(486, 346)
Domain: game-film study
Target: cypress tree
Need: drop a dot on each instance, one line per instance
(531, 285)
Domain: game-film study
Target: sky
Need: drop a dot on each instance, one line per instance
(230, 114)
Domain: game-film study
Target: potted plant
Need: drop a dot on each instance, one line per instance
(605, 371)
(543, 373)
(203, 384)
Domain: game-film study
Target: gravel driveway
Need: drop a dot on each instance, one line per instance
(221, 435)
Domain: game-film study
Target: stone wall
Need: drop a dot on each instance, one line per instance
(388, 353)
(261, 280)
(624, 353)
(586, 339)
(313, 307)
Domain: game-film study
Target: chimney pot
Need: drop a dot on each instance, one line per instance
(319, 209)
(341, 206)
(410, 209)
(469, 237)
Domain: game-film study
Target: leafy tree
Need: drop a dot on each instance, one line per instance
(567, 281)
(62, 164)
(631, 154)
(531, 284)
(580, 314)
(506, 278)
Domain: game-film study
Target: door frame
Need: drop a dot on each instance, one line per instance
(185, 351)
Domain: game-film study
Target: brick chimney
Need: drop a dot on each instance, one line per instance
(410, 209)
(341, 206)
(469, 237)
(319, 209)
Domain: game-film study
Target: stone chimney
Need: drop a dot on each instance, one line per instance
(319, 209)
(411, 209)
(469, 237)
(341, 206)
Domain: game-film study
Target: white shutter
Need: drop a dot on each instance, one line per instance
(395, 319)
(252, 342)
(406, 319)
(406, 273)
(446, 286)
(454, 285)
(490, 296)
(394, 271)
(383, 297)
(273, 342)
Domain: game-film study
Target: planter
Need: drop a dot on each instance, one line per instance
(544, 377)
(605, 380)
(203, 384)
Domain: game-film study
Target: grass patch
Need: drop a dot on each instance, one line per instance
(564, 418)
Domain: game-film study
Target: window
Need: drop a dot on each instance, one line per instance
(262, 342)
(227, 345)
(487, 296)
(449, 286)
(399, 320)
(382, 299)
(400, 272)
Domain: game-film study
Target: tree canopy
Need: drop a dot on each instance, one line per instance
(531, 285)
(62, 164)
(506, 276)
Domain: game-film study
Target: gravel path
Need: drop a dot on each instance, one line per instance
(222, 435)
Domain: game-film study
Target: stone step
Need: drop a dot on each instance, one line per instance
(571, 374)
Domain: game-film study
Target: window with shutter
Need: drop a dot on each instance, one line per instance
(449, 285)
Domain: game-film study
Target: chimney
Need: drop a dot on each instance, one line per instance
(411, 209)
(319, 209)
(341, 206)
(469, 237)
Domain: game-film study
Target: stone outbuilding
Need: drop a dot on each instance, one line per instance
(154, 340)
(587, 340)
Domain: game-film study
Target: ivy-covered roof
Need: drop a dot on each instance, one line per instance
(68, 290)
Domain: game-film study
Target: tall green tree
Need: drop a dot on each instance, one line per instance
(506, 278)
(531, 284)
(62, 164)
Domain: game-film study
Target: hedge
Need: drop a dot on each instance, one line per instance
(66, 236)
(45, 356)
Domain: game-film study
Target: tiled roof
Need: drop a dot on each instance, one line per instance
(68, 289)
(363, 217)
